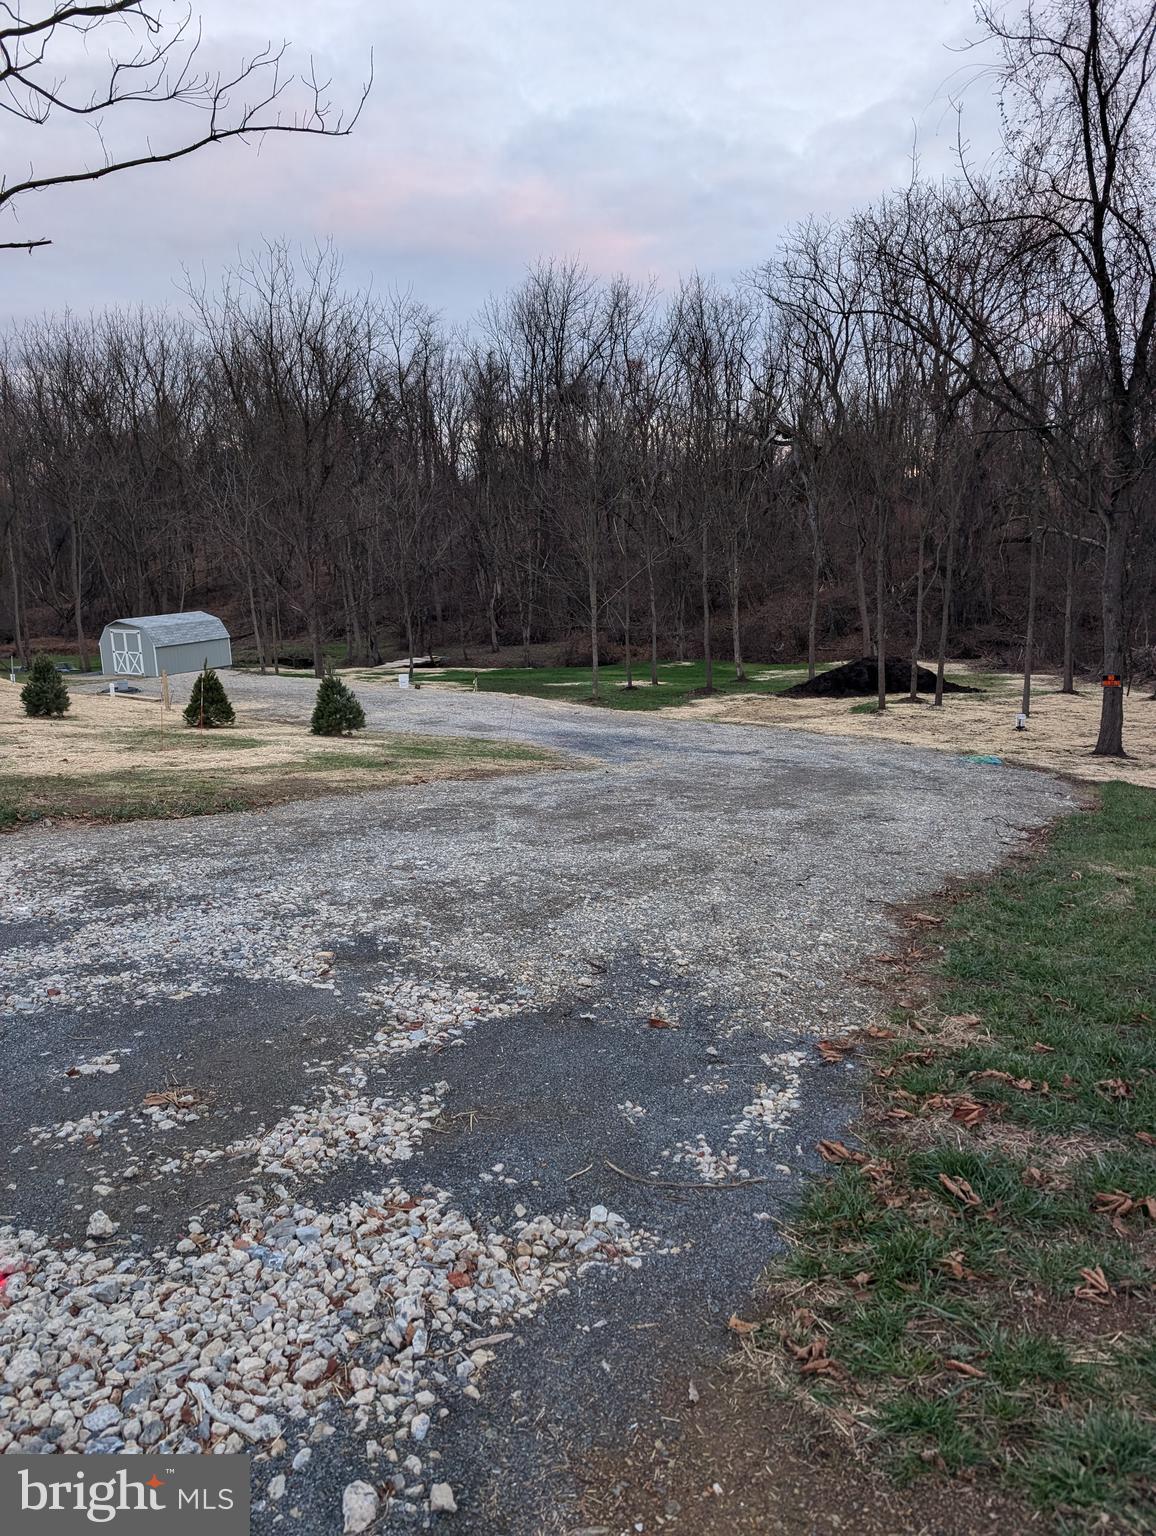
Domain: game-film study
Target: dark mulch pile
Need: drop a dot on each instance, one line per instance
(856, 679)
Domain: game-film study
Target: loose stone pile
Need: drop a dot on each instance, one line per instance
(311, 1139)
(772, 1107)
(418, 1015)
(764, 1119)
(700, 1158)
(236, 1340)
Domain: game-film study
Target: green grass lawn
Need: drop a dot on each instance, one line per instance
(980, 1269)
(60, 659)
(678, 682)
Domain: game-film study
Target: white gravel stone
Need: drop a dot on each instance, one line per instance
(441, 1500)
(101, 1418)
(358, 1507)
(101, 1225)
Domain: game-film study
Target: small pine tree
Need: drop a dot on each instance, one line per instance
(44, 693)
(208, 703)
(337, 710)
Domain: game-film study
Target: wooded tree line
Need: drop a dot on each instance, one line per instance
(930, 421)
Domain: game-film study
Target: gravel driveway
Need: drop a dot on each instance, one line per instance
(312, 1112)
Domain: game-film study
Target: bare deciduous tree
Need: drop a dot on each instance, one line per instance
(96, 60)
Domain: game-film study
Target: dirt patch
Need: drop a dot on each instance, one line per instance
(742, 1462)
(859, 679)
(1060, 734)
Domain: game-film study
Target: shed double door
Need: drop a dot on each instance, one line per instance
(127, 653)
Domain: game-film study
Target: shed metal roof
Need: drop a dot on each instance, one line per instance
(176, 628)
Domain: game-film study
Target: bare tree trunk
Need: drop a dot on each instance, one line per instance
(409, 635)
(861, 592)
(355, 653)
(708, 659)
(736, 632)
(1110, 742)
(20, 630)
(1069, 683)
(276, 636)
(493, 614)
(1030, 632)
(626, 619)
(258, 637)
(913, 695)
(315, 630)
(813, 617)
(880, 629)
(77, 595)
(592, 594)
(653, 600)
(945, 616)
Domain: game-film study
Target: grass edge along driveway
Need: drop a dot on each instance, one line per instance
(969, 1294)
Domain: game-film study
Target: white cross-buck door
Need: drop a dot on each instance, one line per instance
(127, 654)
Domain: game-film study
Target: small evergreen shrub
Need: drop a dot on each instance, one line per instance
(44, 693)
(208, 703)
(337, 711)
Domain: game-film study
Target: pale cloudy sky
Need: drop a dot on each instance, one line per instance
(647, 136)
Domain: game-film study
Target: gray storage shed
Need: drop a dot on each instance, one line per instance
(164, 642)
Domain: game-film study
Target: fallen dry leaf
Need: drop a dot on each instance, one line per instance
(925, 920)
(952, 1264)
(1095, 1287)
(820, 1365)
(655, 1022)
(1113, 1203)
(837, 1152)
(407, 1203)
(739, 1325)
(962, 1368)
(960, 1188)
(812, 1358)
(1117, 1203)
(1114, 1088)
(964, 1020)
(834, 1050)
(174, 1098)
(968, 1113)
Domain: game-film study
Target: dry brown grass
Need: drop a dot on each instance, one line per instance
(1060, 734)
(115, 758)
